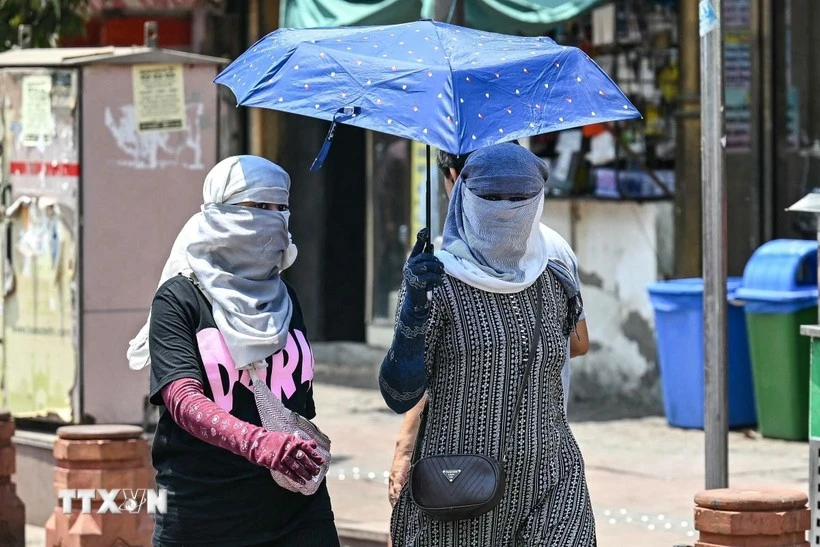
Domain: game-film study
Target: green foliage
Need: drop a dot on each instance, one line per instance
(50, 21)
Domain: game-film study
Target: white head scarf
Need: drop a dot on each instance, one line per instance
(496, 244)
(237, 254)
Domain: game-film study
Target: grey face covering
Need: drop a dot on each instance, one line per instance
(493, 219)
(236, 253)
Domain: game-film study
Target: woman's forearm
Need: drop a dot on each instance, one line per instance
(204, 419)
(579, 340)
(406, 440)
(402, 376)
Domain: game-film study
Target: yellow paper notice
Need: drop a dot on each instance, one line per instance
(159, 97)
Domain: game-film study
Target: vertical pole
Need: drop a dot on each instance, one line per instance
(256, 142)
(688, 195)
(428, 196)
(714, 244)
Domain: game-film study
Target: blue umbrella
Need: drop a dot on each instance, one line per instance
(450, 87)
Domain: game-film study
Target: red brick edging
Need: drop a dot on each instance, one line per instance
(100, 457)
(12, 510)
(732, 517)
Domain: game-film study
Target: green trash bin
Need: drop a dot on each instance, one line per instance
(780, 294)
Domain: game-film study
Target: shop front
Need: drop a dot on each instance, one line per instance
(626, 196)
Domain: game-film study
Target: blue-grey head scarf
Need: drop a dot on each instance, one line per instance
(493, 237)
(493, 219)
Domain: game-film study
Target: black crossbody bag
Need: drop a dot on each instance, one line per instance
(449, 487)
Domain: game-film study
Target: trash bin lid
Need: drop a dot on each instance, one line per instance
(689, 286)
(780, 267)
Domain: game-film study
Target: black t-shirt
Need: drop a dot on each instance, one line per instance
(216, 497)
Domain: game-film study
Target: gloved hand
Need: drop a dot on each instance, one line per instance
(287, 454)
(422, 272)
(207, 421)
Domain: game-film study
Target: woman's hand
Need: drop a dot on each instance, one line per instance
(399, 473)
(204, 419)
(405, 443)
(422, 272)
(289, 455)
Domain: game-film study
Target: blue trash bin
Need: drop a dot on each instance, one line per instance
(678, 308)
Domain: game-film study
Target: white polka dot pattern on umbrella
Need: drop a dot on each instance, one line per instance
(470, 88)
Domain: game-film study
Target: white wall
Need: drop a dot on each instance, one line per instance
(621, 247)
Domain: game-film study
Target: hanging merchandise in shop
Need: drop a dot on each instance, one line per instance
(523, 17)
(635, 42)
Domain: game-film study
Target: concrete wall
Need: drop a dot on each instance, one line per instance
(621, 247)
(34, 476)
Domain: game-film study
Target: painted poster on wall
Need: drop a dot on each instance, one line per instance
(159, 97)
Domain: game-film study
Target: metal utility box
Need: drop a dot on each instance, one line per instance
(104, 153)
(810, 204)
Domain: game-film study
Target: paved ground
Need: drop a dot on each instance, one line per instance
(642, 474)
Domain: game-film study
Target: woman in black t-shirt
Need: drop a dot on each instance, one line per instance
(221, 309)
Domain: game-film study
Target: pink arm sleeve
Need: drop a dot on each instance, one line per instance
(207, 421)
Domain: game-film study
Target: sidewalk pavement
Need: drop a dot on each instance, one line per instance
(642, 474)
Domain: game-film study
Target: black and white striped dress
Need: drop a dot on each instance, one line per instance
(476, 348)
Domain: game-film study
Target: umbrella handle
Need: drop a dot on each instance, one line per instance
(429, 246)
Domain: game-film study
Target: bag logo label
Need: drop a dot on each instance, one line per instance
(451, 474)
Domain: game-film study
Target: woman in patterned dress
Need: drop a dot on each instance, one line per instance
(465, 348)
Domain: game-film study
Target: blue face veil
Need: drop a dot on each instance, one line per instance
(492, 236)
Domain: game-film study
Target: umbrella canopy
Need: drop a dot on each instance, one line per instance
(450, 87)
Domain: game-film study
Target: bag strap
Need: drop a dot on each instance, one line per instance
(191, 276)
(534, 341)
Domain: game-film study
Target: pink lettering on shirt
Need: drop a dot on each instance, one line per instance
(284, 364)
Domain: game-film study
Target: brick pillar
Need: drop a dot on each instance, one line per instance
(766, 517)
(101, 457)
(12, 510)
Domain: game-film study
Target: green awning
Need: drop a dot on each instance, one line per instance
(529, 17)
(340, 13)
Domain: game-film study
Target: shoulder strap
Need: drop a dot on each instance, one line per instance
(534, 341)
(189, 274)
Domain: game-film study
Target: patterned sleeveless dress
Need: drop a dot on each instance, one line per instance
(476, 349)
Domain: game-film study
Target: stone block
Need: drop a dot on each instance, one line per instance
(737, 523)
(99, 451)
(8, 457)
(752, 518)
(12, 510)
(100, 457)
